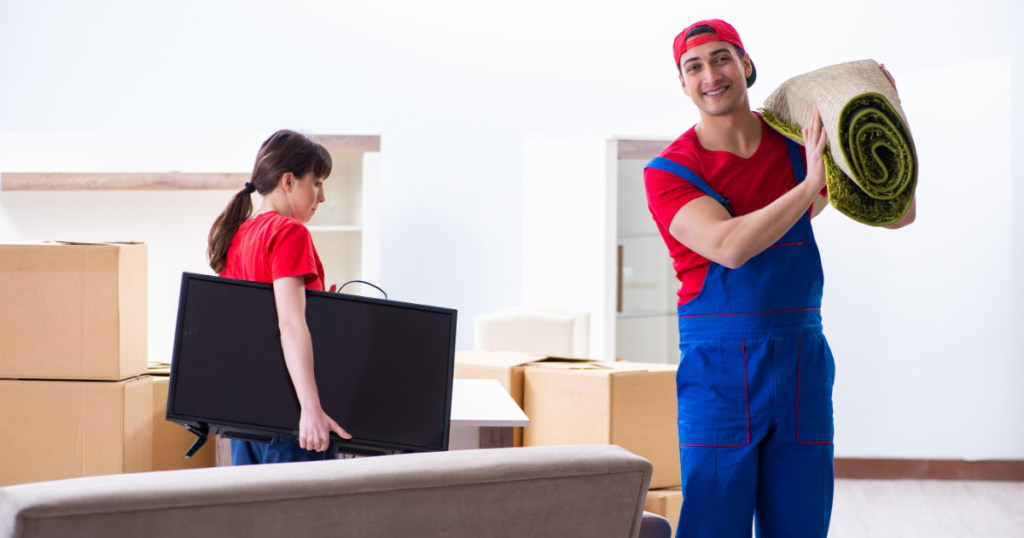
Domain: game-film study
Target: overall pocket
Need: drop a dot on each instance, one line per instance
(711, 388)
(815, 370)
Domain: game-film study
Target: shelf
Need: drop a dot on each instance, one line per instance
(642, 314)
(638, 235)
(334, 228)
(104, 181)
(165, 181)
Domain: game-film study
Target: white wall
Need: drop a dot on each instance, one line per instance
(454, 85)
(920, 319)
(564, 243)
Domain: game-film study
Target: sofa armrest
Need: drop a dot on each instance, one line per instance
(654, 526)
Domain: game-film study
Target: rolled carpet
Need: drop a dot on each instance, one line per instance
(871, 163)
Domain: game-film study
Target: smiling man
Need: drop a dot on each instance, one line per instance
(731, 198)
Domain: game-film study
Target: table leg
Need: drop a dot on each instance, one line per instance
(496, 437)
(223, 452)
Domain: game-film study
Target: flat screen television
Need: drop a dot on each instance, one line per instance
(383, 368)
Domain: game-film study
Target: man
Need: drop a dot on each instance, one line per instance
(732, 200)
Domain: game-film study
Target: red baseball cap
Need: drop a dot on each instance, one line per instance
(723, 32)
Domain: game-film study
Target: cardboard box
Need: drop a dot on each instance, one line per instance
(171, 441)
(632, 405)
(507, 367)
(72, 311)
(667, 503)
(51, 430)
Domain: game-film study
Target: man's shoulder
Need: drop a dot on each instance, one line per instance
(683, 150)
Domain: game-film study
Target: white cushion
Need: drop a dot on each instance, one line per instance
(526, 331)
(580, 328)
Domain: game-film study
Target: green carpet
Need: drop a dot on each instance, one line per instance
(873, 178)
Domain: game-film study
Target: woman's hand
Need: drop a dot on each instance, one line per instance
(315, 429)
(815, 142)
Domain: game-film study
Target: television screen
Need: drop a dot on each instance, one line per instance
(383, 368)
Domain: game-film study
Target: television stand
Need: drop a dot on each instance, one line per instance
(202, 433)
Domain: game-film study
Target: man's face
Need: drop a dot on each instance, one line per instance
(714, 77)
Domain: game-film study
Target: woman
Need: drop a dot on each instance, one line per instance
(274, 247)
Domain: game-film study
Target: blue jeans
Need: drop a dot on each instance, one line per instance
(252, 453)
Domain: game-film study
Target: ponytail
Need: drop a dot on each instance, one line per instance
(238, 211)
(285, 151)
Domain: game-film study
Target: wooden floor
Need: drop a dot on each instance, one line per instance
(927, 508)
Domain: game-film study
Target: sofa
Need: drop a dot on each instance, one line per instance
(556, 491)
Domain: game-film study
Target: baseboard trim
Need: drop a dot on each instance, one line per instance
(892, 469)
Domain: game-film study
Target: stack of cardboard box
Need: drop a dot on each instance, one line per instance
(171, 440)
(73, 397)
(576, 401)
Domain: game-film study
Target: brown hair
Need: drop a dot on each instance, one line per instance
(707, 29)
(285, 151)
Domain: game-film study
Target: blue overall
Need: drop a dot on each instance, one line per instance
(250, 453)
(754, 389)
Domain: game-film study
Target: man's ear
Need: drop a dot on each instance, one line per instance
(748, 67)
(683, 84)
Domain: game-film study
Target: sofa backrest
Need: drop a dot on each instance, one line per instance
(558, 491)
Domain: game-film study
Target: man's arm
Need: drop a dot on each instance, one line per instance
(705, 227)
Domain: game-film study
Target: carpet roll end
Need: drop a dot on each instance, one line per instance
(871, 163)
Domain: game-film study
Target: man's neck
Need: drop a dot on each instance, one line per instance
(738, 132)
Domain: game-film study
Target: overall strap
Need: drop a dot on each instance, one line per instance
(799, 170)
(672, 167)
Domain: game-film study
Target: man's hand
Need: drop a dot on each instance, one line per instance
(815, 142)
(888, 76)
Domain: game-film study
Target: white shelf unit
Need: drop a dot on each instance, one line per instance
(346, 227)
(589, 242)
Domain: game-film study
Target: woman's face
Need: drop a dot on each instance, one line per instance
(306, 194)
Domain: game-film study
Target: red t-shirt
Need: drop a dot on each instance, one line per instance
(750, 184)
(272, 246)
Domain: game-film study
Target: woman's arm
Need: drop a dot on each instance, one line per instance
(315, 426)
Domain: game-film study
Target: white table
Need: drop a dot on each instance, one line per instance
(482, 409)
